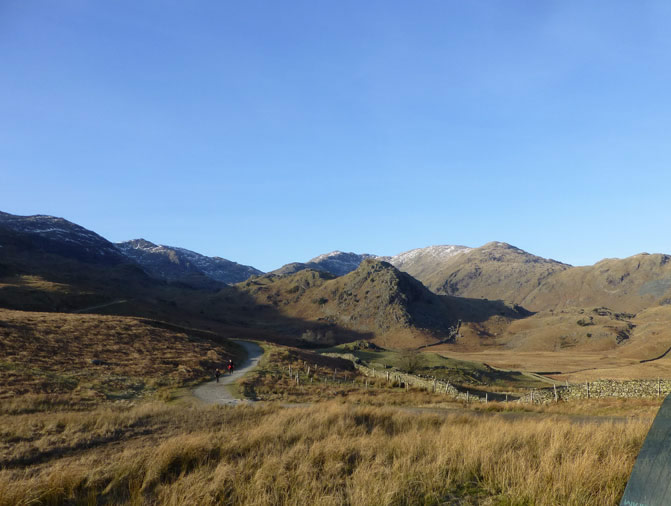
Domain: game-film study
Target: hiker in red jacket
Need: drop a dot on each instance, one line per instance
(230, 366)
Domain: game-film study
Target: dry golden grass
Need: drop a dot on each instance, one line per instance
(572, 366)
(57, 447)
(609, 408)
(46, 359)
(327, 454)
(271, 381)
(586, 351)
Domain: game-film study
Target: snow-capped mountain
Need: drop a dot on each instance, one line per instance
(336, 263)
(496, 270)
(430, 255)
(173, 263)
(339, 263)
(62, 237)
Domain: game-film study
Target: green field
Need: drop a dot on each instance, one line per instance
(427, 364)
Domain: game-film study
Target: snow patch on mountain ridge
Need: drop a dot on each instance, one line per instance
(153, 257)
(59, 230)
(338, 263)
(438, 253)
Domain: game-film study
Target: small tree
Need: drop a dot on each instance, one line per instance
(411, 361)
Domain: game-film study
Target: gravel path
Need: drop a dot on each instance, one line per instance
(99, 306)
(218, 393)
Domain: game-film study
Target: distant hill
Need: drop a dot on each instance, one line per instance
(422, 262)
(500, 271)
(494, 271)
(52, 235)
(375, 298)
(179, 264)
(336, 263)
(51, 264)
(630, 284)
(64, 268)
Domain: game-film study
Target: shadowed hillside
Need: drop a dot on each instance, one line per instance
(336, 263)
(62, 279)
(42, 234)
(376, 298)
(179, 264)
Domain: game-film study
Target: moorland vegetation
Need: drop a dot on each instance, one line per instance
(98, 359)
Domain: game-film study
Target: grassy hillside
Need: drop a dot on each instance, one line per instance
(600, 330)
(493, 271)
(459, 373)
(34, 280)
(629, 285)
(376, 300)
(49, 360)
(574, 344)
(500, 271)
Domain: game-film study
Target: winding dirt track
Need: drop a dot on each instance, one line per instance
(219, 393)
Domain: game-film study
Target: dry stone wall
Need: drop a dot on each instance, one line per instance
(601, 389)
(593, 390)
(396, 377)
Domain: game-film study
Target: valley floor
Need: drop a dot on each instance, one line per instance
(573, 366)
(97, 419)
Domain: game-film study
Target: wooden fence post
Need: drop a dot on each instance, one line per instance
(588, 389)
(554, 385)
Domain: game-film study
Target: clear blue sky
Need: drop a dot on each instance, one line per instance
(271, 132)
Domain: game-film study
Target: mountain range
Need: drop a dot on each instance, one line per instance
(419, 297)
(336, 263)
(179, 264)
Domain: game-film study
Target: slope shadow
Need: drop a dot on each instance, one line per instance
(481, 310)
(35, 280)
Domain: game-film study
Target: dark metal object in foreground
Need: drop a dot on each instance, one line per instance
(650, 480)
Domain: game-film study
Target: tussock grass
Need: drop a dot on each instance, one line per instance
(327, 454)
(607, 407)
(54, 361)
(271, 381)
